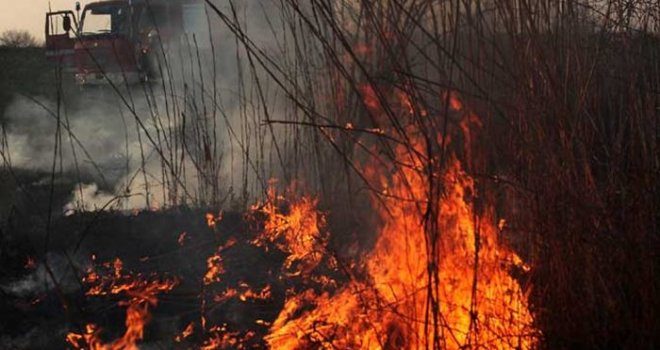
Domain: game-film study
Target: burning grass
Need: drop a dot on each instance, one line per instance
(473, 175)
(323, 309)
(140, 293)
(449, 287)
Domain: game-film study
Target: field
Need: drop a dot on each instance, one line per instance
(343, 175)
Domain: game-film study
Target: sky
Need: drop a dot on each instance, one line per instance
(30, 14)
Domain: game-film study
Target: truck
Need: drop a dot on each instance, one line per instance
(120, 41)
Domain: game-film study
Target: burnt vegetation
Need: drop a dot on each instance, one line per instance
(546, 113)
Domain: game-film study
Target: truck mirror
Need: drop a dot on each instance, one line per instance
(66, 23)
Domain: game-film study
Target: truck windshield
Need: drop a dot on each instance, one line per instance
(105, 19)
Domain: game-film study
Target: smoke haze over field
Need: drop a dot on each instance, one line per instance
(98, 142)
(31, 128)
(203, 141)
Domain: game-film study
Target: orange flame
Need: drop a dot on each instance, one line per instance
(181, 240)
(472, 301)
(298, 233)
(210, 220)
(431, 281)
(214, 264)
(215, 268)
(455, 103)
(187, 332)
(141, 293)
(249, 294)
(222, 339)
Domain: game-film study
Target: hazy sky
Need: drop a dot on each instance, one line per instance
(30, 14)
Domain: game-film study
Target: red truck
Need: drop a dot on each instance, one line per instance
(120, 40)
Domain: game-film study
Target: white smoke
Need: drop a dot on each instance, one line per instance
(31, 136)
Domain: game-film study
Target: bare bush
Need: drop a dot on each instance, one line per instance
(18, 38)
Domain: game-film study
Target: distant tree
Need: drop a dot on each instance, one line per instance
(17, 38)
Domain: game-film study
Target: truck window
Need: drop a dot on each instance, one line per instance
(56, 27)
(105, 19)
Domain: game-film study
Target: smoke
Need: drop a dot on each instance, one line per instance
(96, 141)
(31, 136)
(198, 136)
(88, 197)
(38, 282)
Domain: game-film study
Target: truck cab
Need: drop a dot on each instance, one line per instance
(118, 41)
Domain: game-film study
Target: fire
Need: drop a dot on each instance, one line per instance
(438, 275)
(346, 320)
(213, 219)
(210, 220)
(141, 294)
(215, 268)
(249, 294)
(215, 265)
(187, 332)
(244, 294)
(455, 103)
(30, 263)
(299, 233)
(468, 300)
(480, 303)
(222, 339)
(181, 240)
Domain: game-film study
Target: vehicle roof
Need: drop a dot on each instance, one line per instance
(139, 2)
(106, 2)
